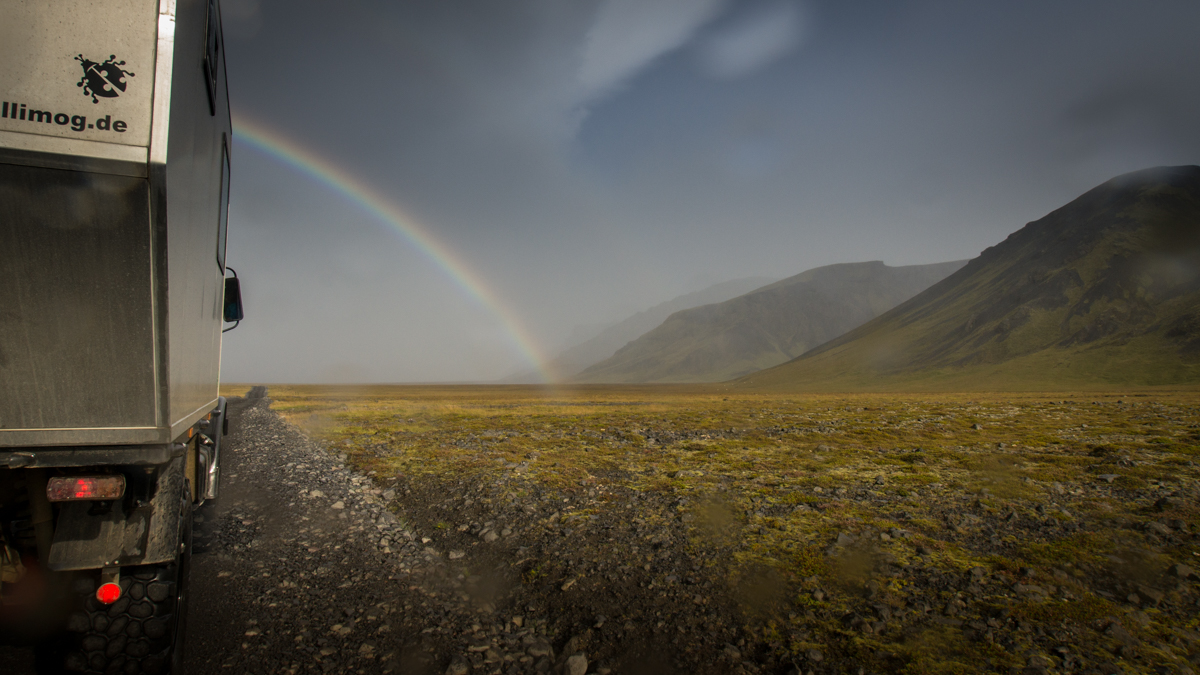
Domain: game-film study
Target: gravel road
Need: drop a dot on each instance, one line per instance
(299, 567)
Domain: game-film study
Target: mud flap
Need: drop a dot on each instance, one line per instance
(88, 538)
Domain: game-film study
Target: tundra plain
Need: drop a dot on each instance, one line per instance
(710, 529)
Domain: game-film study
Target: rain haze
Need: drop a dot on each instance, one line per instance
(449, 191)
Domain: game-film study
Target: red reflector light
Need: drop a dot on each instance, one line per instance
(63, 489)
(108, 593)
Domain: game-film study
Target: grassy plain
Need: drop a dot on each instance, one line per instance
(918, 533)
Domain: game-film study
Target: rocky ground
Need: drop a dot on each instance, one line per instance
(664, 541)
(301, 567)
(307, 565)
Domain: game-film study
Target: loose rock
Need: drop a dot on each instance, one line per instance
(577, 664)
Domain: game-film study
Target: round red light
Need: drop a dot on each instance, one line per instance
(108, 593)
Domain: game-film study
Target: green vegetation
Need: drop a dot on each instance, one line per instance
(885, 504)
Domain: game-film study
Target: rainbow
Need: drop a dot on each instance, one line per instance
(325, 172)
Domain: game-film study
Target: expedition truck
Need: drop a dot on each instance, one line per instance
(114, 184)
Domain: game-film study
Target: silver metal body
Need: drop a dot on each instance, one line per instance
(114, 170)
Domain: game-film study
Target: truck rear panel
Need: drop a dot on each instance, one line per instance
(114, 170)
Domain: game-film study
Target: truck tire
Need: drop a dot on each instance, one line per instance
(143, 631)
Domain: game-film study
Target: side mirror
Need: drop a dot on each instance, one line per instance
(233, 301)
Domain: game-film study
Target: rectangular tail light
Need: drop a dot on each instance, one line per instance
(82, 488)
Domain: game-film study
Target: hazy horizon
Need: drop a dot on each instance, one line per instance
(513, 171)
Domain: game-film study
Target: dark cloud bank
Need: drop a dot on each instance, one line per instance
(591, 159)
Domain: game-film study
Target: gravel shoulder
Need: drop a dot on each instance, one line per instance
(288, 571)
(301, 567)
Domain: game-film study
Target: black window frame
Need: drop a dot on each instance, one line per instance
(213, 45)
(223, 206)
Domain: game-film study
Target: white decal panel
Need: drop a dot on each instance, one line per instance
(79, 69)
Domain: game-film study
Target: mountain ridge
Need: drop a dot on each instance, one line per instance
(766, 326)
(1105, 289)
(606, 341)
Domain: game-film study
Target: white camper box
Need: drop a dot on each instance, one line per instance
(114, 172)
(115, 142)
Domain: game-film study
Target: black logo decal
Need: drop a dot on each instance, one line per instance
(103, 79)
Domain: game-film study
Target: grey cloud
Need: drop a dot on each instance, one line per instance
(761, 37)
(630, 34)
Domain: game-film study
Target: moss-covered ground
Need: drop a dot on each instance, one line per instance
(932, 533)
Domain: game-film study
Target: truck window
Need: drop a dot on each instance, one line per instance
(212, 53)
(223, 207)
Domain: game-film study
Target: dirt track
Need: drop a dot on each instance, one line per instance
(299, 567)
(287, 573)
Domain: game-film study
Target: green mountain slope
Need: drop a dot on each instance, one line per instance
(1103, 292)
(767, 326)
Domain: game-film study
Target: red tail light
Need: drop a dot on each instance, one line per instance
(108, 593)
(68, 488)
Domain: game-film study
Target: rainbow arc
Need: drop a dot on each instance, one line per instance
(351, 188)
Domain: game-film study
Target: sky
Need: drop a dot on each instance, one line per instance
(447, 191)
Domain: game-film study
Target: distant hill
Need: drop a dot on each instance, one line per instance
(767, 326)
(606, 341)
(1103, 292)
